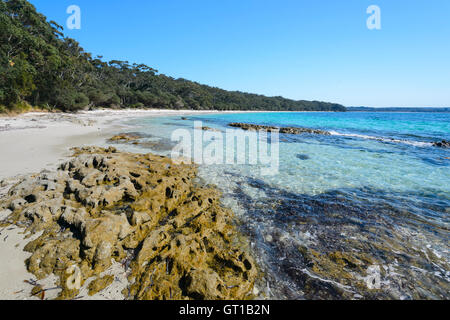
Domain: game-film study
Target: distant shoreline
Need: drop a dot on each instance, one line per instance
(399, 109)
(150, 111)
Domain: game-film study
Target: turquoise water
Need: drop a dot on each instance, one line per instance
(375, 189)
(422, 127)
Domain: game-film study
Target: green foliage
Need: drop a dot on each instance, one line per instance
(71, 100)
(21, 106)
(39, 66)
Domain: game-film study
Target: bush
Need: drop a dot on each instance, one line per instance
(46, 107)
(72, 101)
(21, 106)
(137, 105)
(114, 100)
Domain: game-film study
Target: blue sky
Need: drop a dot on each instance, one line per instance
(299, 49)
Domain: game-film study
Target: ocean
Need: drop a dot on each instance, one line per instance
(362, 213)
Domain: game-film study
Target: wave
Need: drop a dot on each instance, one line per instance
(381, 139)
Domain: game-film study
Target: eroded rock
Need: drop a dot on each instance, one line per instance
(100, 284)
(125, 137)
(104, 205)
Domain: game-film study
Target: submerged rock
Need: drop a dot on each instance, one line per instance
(332, 245)
(286, 130)
(302, 156)
(104, 205)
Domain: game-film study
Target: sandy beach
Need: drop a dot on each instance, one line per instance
(33, 142)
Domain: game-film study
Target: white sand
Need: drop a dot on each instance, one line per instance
(35, 141)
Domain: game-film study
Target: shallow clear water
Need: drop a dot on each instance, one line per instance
(374, 194)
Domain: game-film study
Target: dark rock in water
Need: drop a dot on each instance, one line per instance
(303, 157)
(210, 129)
(286, 130)
(442, 144)
(184, 118)
(252, 127)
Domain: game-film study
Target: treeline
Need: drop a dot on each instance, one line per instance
(42, 68)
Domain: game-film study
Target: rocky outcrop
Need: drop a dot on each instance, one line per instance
(140, 210)
(125, 137)
(285, 130)
(99, 284)
(210, 129)
(142, 140)
(442, 144)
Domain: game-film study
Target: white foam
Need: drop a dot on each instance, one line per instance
(362, 136)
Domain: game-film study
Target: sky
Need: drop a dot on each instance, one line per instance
(299, 49)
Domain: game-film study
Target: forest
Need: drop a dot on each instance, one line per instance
(41, 68)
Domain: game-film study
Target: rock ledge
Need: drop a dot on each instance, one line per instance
(171, 235)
